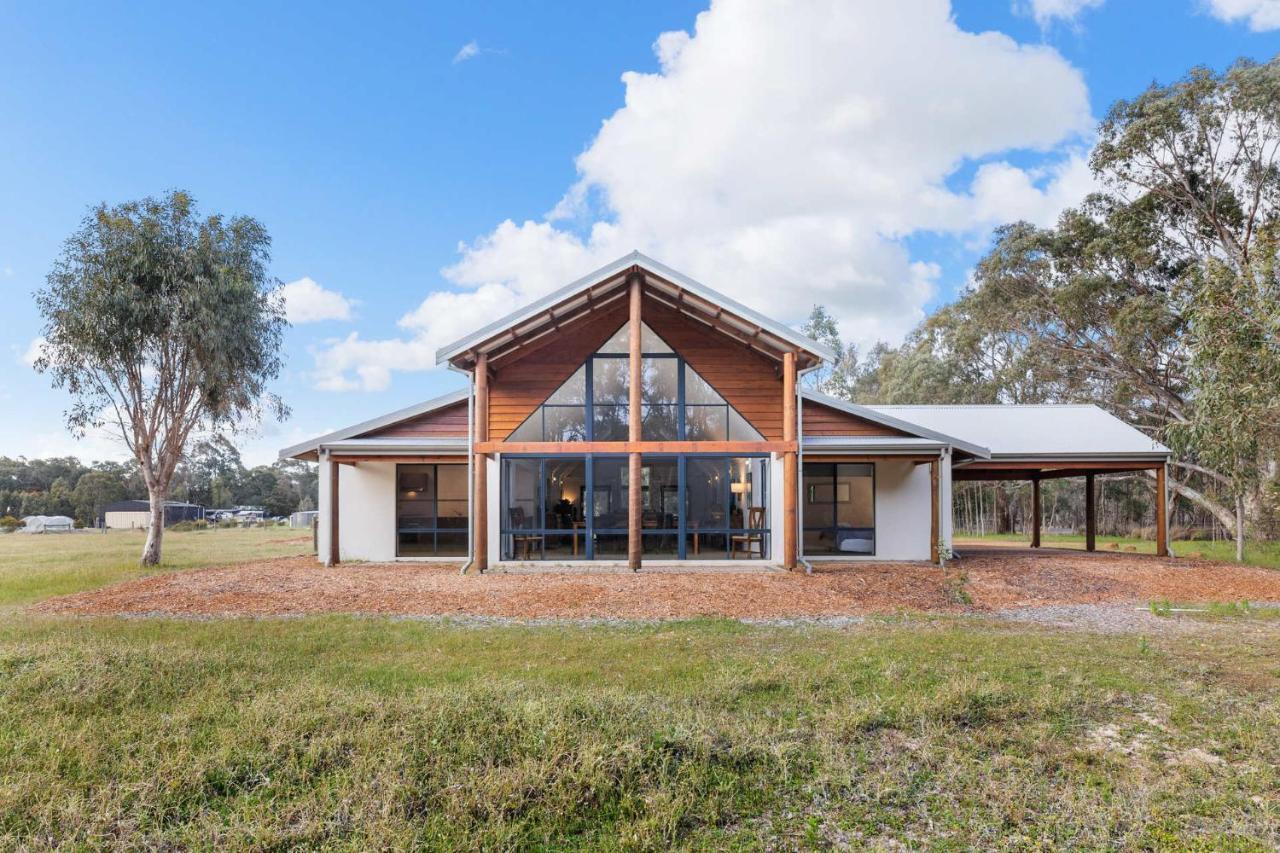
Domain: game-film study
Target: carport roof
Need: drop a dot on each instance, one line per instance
(1068, 431)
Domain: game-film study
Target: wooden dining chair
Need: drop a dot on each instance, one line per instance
(751, 542)
(522, 543)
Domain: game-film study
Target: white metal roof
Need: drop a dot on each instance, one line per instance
(312, 444)
(778, 330)
(1039, 431)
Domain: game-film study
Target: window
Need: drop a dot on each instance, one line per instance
(839, 508)
(693, 507)
(595, 403)
(543, 508)
(431, 510)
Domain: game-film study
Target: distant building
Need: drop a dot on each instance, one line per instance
(46, 524)
(124, 515)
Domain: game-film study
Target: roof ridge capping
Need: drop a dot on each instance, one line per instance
(614, 268)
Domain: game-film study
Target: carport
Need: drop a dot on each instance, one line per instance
(1043, 442)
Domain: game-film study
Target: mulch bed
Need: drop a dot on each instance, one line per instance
(990, 581)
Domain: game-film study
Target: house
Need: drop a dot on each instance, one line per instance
(637, 416)
(131, 514)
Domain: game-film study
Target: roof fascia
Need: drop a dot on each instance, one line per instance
(396, 417)
(614, 269)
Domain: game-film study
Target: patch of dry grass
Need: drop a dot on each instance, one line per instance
(33, 567)
(358, 733)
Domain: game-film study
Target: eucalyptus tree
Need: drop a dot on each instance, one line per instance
(1203, 154)
(163, 325)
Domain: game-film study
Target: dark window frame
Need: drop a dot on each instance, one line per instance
(590, 531)
(435, 529)
(680, 404)
(834, 528)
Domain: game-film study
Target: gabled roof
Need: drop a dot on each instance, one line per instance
(875, 415)
(312, 445)
(1036, 431)
(608, 284)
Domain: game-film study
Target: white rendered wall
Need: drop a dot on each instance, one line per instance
(903, 519)
(777, 519)
(366, 510)
(493, 495)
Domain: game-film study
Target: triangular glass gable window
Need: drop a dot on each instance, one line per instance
(594, 403)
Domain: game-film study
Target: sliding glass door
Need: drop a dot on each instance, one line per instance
(839, 509)
(692, 507)
(431, 510)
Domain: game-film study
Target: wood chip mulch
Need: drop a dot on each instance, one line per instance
(990, 581)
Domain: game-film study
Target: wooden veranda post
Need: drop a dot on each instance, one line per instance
(1090, 514)
(1162, 512)
(480, 470)
(634, 544)
(335, 550)
(935, 510)
(789, 460)
(1035, 512)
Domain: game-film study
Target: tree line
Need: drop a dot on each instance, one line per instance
(1157, 298)
(212, 474)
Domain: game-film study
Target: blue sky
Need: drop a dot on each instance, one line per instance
(384, 164)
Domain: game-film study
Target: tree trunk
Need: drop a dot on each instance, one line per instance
(1239, 528)
(155, 528)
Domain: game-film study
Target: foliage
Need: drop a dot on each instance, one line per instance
(163, 324)
(9, 524)
(836, 379)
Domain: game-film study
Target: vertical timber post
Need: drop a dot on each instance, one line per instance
(789, 477)
(1090, 514)
(1162, 512)
(335, 550)
(1035, 512)
(634, 544)
(480, 470)
(935, 511)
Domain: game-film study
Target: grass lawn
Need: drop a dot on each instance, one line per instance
(1266, 554)
(33, 567)
(357, 733)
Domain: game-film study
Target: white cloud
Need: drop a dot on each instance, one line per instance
(33, 351)
(307, 302)
(470, 50)
(781, 158)
(1262, 15)
(1002, 192)
(1046, 12)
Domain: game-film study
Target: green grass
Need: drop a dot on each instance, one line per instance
(358, 733)
(362, 733)
(33, 567)
(1265, 554)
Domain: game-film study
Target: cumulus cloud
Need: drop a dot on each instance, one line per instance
(307, 302)
(782, 157)
(1261, 15)
(1046, 12)
(33, 351)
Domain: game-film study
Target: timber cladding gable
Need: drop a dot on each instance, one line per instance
(819, 420)
(747, 380)
(521, 382)
(447, 422)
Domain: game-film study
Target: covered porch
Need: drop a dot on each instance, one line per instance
(1037, 471)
